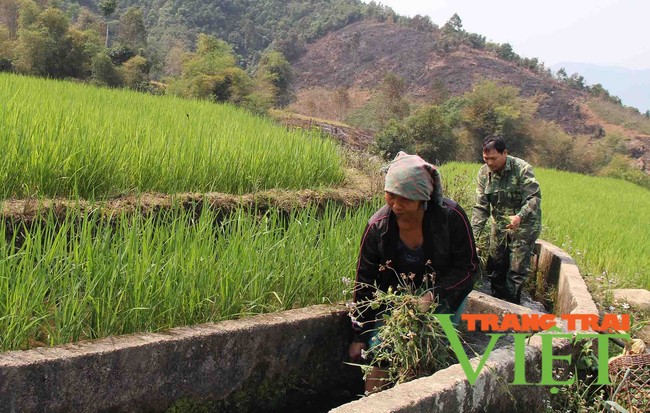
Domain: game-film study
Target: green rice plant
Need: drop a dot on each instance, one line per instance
(600, 221)
(89, 277)
(71, 140)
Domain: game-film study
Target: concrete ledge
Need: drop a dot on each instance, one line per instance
(559, 269)
(249, 364)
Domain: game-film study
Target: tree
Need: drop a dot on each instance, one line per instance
(422, 23)
(576, 81)
(291, 44)
(6, 46)
(392, 139)
(9, 15)
(507, 53)
(107, 7)
(552, 147)
(274, 68)
(342, 101)
(454, 24)
(353, 44)
(599, 90)
(393, 105)
(84, 45)
(49, 47)
(28, 12)
(476, 41)
(120, 54)
(491, 108)
(211, 73)
(136, 72)
(104, 72)
(428, 132)
(433, 133)
(87, 20)
(174, 60)
(132, 32)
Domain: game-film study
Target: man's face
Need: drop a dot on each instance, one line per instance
(495, 160)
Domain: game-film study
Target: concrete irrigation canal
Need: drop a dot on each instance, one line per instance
(287, 361)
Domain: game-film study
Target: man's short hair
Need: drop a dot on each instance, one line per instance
(494, 142)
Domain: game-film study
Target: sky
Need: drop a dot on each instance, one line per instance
(601, 32)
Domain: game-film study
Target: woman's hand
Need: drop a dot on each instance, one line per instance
(424, 303)
(355, 351)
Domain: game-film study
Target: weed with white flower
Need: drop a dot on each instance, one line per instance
(408, 342)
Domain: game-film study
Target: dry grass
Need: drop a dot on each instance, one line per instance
(621, 119)
(323, 103)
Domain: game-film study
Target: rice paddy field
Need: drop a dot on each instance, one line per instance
(71, 140)
(88, 274)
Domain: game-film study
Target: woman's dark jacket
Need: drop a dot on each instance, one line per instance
(448, 244)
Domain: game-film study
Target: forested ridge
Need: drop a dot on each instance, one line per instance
(249, 26)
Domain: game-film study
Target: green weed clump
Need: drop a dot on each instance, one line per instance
(408, 340)
(89, 277)
(71, 140)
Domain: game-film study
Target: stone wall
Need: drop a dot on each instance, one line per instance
(272, 362)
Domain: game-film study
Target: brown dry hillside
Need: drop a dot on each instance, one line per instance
(337, 60)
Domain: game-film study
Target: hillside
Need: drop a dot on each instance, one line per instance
(332, 62)
(357, 57)
(340, 53)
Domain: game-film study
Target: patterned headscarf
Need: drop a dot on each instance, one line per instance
(413, 178)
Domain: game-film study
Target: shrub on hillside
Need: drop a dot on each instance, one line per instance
(136, 73)
(428, 132)
(6, 46)
(105, 73)
(551, 146)
(621, 167)
(432, 131)
(392, 139)
(493, 108)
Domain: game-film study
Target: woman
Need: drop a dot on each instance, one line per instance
(419, 232)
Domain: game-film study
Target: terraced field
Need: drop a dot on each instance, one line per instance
(173, 212)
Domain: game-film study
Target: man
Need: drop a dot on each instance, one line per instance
(508, 192)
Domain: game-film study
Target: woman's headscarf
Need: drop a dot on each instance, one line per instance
(413, 178)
